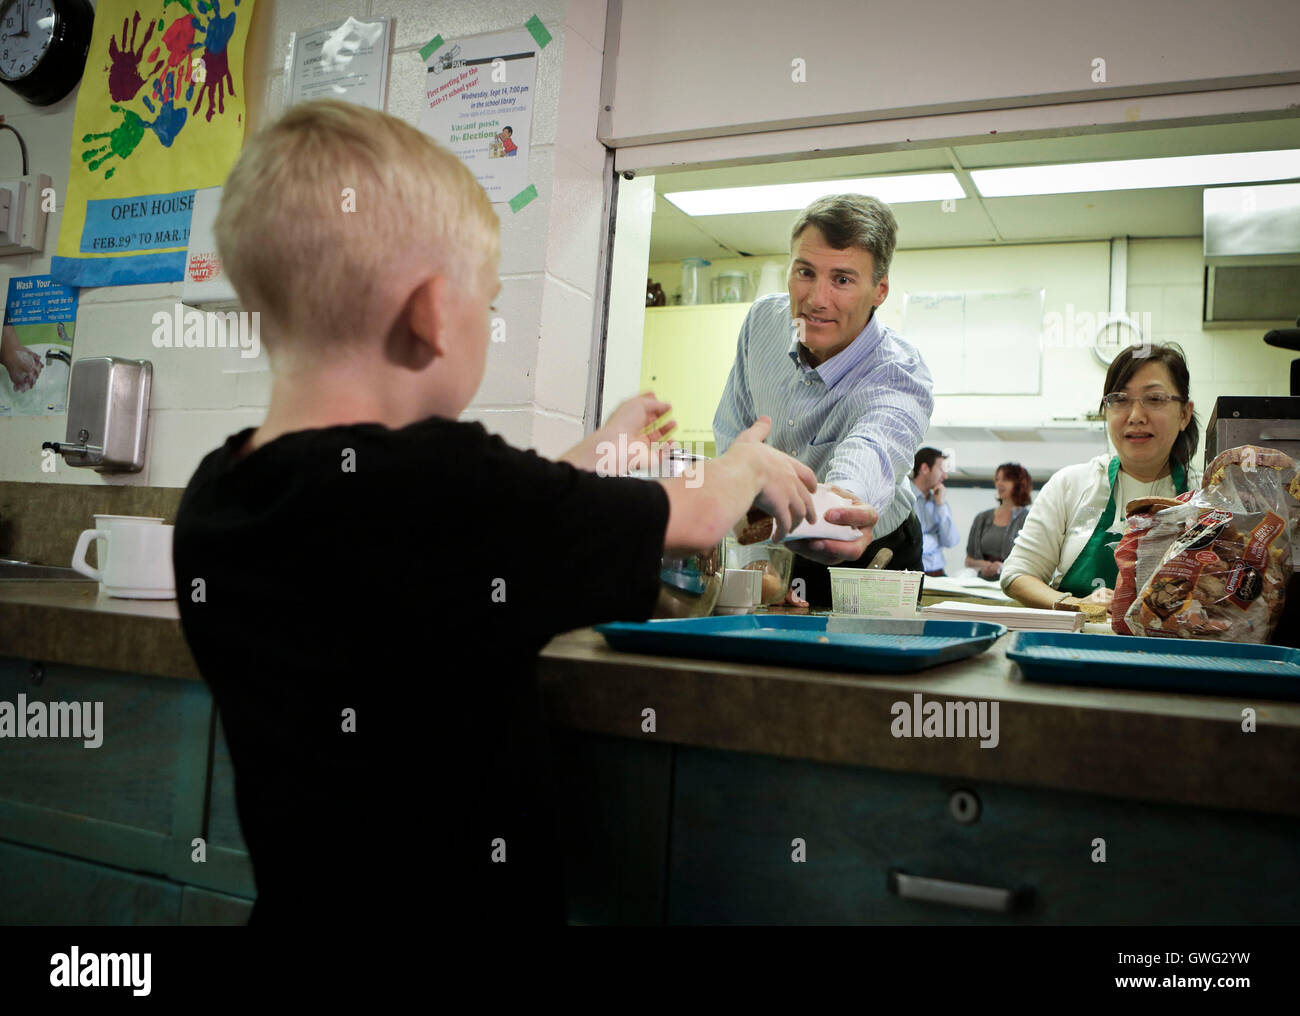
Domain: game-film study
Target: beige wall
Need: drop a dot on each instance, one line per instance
(1165, 280)
(535, 390)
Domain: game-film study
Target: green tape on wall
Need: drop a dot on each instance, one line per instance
(523, 197)
(432, 46)
(538, 30)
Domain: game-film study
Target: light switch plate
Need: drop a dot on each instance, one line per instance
(24, 232)
(7, 206)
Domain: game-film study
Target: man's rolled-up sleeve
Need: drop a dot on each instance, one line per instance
(948, 534)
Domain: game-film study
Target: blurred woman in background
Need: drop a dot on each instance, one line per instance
(994, 531)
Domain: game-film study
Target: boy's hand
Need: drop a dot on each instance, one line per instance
(629, 441)
(831, 552)
(786, 485)
(634, 421)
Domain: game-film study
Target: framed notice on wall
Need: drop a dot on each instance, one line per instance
(347, 60)
(978, 343)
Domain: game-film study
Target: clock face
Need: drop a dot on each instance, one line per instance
(1114, 335)
(26, 27)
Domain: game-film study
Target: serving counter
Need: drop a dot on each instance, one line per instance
(696, 791)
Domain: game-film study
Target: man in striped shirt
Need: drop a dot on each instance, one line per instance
(847, 396)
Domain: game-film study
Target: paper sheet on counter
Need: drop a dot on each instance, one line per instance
(1015, 618)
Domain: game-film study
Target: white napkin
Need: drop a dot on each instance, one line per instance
(823, 501)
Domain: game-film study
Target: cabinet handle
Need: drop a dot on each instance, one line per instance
(959, 894)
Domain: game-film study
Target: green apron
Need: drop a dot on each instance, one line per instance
(1097, 560)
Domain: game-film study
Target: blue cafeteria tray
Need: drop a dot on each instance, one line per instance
(880, 645)
(1178, 665)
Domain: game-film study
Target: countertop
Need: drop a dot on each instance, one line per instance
(73, 622)
(1187, 749)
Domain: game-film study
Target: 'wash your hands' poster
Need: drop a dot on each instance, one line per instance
(36, 346)
(160, 113)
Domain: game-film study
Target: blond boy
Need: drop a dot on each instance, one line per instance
(377, 578)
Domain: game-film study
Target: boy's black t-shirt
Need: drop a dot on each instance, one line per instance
(367, 606)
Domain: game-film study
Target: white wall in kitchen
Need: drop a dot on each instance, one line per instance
(535, 388)
(1165, 280)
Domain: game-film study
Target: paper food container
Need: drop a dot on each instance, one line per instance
(875, 592)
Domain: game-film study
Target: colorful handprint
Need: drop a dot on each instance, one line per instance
(122, 141)
(216, 79)
(179, 40)
(124, 77)
(169, 121)
(184, 55)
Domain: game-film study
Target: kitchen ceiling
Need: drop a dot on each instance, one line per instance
(1169, 212)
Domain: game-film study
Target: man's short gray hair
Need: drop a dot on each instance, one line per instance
(853, 220)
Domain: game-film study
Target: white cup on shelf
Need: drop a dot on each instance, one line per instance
(134, 554)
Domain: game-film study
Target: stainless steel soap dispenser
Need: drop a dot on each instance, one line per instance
(108, 414)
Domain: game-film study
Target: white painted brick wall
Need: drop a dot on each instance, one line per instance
(534, 390)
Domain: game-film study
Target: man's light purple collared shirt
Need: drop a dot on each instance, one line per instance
(856, 420)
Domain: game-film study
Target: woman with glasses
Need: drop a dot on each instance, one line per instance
(994, 532)
(1065, 554)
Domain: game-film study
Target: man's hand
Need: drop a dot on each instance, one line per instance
(939, 493)
(831, 552)
(786, 484)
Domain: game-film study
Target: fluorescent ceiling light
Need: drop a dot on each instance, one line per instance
(782, 197)
(1135, 174)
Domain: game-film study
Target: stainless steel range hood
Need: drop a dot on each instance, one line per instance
(1042, 448)
(1252, 253)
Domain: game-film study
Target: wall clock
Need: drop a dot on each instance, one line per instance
(43, 46)
(1109, 339)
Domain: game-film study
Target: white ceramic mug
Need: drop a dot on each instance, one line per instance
(101, 522)
(135, 557)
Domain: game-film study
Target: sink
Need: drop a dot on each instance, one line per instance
(10, 570)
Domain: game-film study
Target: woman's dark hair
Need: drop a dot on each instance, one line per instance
(1134, 358)
(1019, 477)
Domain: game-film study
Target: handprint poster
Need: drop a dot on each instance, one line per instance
(160, 114)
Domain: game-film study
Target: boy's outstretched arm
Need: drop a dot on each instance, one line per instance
(705, 504)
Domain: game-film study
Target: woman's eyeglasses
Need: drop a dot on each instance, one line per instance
(1117, 402)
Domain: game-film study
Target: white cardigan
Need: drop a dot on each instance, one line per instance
(1061, 521)
(1057, 528)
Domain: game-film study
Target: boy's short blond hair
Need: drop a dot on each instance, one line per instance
(334, 208)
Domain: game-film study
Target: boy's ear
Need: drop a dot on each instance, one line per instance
(428, 314)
